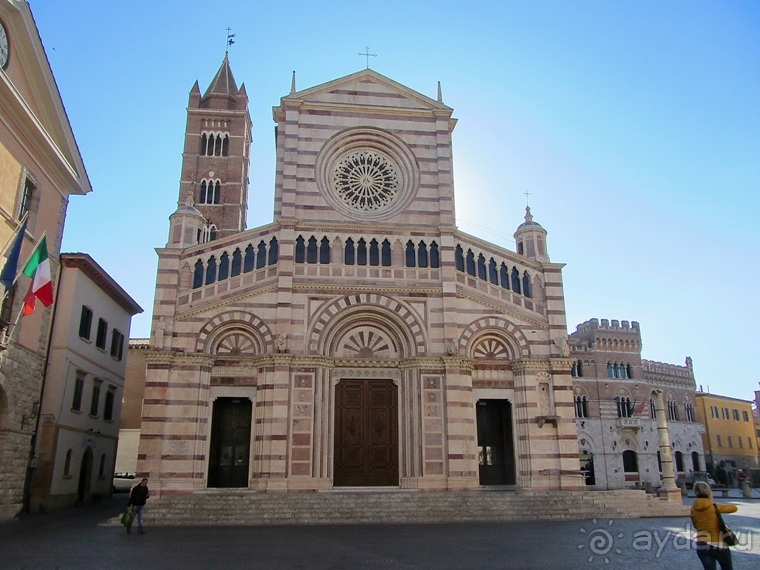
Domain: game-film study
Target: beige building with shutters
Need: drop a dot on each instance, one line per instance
(360, 339)
(84, 386)
(40, 169)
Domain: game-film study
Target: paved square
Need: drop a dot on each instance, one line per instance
(86, 538)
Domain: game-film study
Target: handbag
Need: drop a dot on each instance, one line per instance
(728, 536)
(126, 518)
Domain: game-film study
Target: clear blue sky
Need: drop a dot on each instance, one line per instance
(634, 125)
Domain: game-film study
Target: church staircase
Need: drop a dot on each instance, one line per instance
(360, 506)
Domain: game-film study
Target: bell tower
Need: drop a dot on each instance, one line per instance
(215, 160)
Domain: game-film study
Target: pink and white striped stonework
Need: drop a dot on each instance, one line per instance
(360, 339)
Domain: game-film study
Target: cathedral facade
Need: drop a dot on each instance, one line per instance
(360, 339)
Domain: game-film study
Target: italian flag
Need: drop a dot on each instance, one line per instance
(41, 287)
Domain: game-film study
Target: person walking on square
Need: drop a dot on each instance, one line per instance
(711, 548)
(137, 499)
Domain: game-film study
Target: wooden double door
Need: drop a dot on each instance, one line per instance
(366, 434)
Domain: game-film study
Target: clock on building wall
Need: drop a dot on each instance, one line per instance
(367, 173)
(5, 46)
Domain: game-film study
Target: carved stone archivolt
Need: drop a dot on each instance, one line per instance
(238, 323)
(388, 316)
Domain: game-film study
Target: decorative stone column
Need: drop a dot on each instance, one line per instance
(669, 489)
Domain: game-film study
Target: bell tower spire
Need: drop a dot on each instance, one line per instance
(215, 160)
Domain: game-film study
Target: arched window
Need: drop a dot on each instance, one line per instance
(610, 373)
(204, 143)
(410, 256)
(224, 266)
(350, 253)
(435, 258)
(577, 369)
(102, 466)
(324, 251)
(67, 464)
(672, 411)
(581, 407)
(198, 274)
(274, 251)
(470, 262)
(210, 191)
(527, 285)
(211, 271)
(237, 263)
(516, 280)
(482, 267)
(422, 254)
(226, 145)
(207, 233)
(504, 276)
(624, 406)
(374, 253)
(311, 250)
(459, 258)
(630, 461)
(249, 262)
(361, 252)
(493, 274)
(652, 411)
(261, 255)
(300, 250)
(695, 461)
(629, 370)
(385, 253)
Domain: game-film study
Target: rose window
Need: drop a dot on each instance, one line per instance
(366, 181)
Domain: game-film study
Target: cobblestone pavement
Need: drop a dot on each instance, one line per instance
(84, 538)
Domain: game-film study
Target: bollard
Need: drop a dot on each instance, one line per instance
(746, 490)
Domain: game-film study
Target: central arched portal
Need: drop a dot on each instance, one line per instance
(366, 433)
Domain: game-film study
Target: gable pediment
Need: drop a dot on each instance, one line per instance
(369, 89)
(30, 94)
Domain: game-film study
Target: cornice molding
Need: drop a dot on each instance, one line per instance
(504, 309)
(346, 289)
(156, 356)
(245, 292)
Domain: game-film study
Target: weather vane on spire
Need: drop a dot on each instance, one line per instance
(230, 40)
(367, 55)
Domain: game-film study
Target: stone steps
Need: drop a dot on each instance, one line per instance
(225, 507)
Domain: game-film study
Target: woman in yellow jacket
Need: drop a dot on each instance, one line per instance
(710, 546)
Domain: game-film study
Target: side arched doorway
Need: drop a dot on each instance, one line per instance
(496, 455)
(366, 433)
(229, 451)
(85, 477)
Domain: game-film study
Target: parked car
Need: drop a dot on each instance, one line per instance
(123, 482)
(696, 476)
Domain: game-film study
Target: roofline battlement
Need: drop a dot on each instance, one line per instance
(606, 324)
